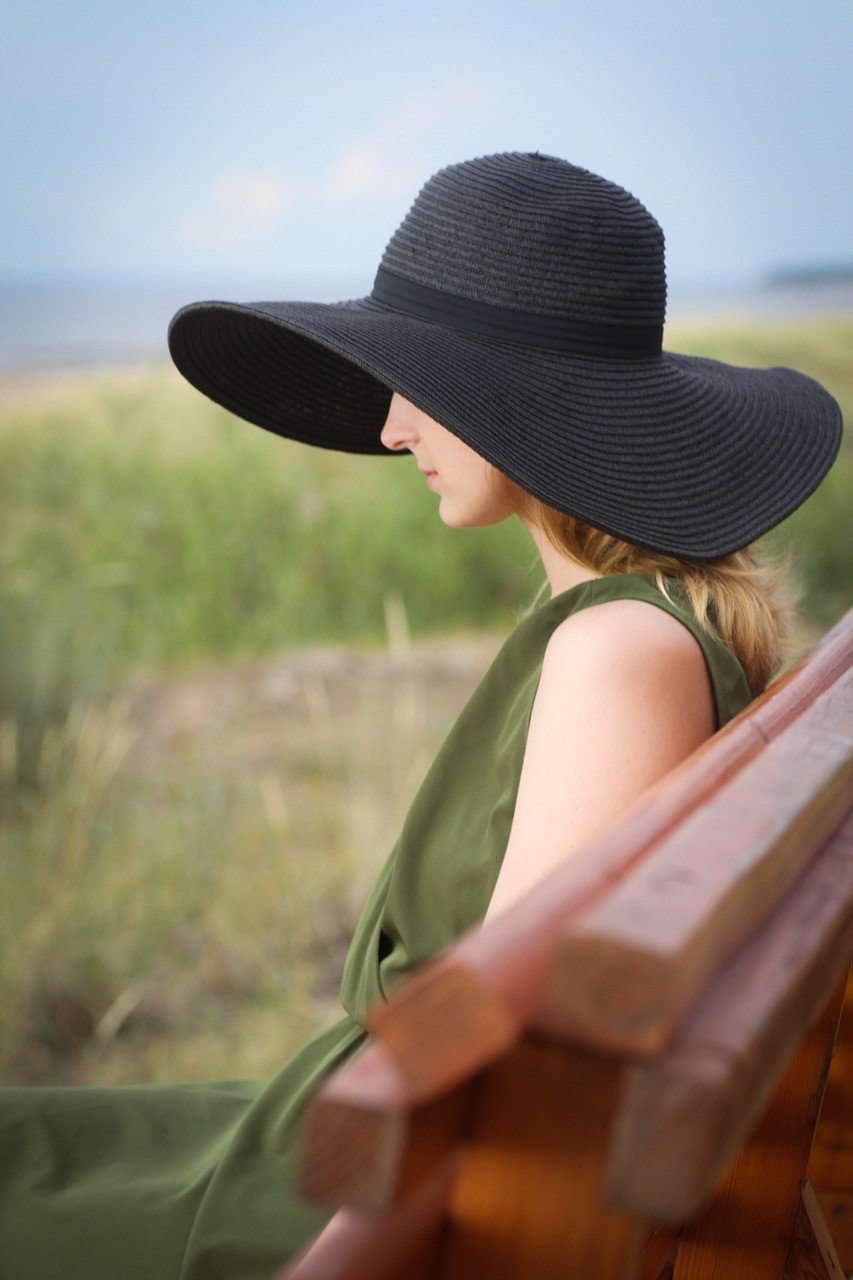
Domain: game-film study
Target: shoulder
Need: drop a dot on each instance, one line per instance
(623, 697)
(633, 654)
(623, 635)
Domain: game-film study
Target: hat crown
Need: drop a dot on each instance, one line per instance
(535, 234)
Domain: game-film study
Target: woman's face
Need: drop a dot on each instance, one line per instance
(471, 490)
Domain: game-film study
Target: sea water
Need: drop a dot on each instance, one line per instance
(46, 325)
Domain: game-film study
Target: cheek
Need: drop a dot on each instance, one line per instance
(504, 494)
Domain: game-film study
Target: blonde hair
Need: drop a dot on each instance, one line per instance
(743, 598)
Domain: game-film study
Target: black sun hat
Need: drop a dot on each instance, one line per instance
(521, 305)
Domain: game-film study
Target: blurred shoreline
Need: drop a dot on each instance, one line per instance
(36, 388)
(48, 330)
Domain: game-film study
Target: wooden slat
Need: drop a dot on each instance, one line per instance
(626, 970)
(831, 1164)
(812, 1255)
(398, 1246)
(837, 1209)
(684, 1113)
(528, 1200)
(464, 1010)
(832, 655)
(367, 1141)
(747, 1229)
(658, 1253)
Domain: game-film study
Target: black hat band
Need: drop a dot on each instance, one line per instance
(552, 333)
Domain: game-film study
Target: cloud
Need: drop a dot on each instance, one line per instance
(368, 167)
(360, 171)
(238, 205)
(259, 197)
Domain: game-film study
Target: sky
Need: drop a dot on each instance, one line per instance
(282, 142)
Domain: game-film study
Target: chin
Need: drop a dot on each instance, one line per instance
(455, 519)
(471, 519)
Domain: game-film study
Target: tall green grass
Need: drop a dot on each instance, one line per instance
(177, 909)
(143, 527)
(178, 531)
(176, 904)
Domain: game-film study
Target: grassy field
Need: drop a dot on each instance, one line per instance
(196, 783)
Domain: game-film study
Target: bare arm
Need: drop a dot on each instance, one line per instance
(624, 696)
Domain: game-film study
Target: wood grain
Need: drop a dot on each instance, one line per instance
(398, 1246)
(684, 1113)
(812, 1255)
(837, 1209)
(747, 1230)
(528, 1200)
(368, 1141)
(659, 1250)
(831, 1165)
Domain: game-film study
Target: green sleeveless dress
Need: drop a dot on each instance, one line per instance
(197, 1182)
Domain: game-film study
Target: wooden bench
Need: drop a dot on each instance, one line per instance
(623, 1075)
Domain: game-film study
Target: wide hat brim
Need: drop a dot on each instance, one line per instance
(680, 454)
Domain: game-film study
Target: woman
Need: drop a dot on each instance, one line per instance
(512, 344)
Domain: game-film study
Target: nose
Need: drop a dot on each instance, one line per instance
(400, 430)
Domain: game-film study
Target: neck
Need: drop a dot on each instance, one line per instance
(563, 572)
